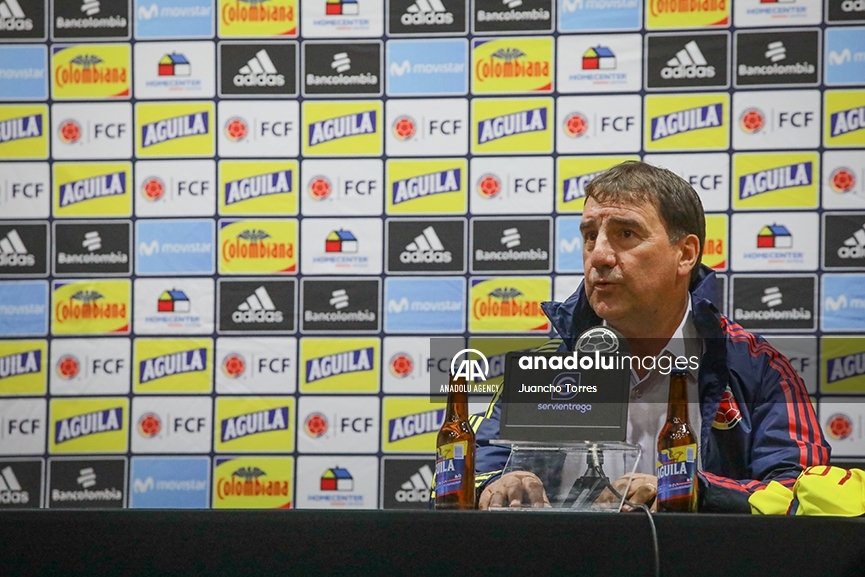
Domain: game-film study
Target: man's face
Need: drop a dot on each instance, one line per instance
(630, 265)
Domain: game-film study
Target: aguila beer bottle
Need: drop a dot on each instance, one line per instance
(455, 452)
(677, 452)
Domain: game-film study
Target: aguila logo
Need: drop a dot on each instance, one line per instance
(489, 186)
(576, 125)
(319, 188)
(149, 425)
(153, 189)
(236, 129)
(404, 128)
(401, 365)
(842, 180)
(69, 132)
(315, 425)
(752, 121)
(233, 365)
(68, 367)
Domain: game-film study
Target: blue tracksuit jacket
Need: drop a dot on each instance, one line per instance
(778, 435)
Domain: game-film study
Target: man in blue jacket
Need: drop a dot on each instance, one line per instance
(643, 231)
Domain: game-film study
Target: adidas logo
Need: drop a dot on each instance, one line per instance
(772, 297)
(11, 492)
(87, 477)
(689, 62)
(426, 248)
(90, 7)
(13, 252)
(512, 3)
(13, 18)
(92, 241)
(341, 62)
(257, 308)
(416, 489)
(425, 12)
(511, 237)
(339, 299)
(854, 247)
(776, 51)
(259, 71)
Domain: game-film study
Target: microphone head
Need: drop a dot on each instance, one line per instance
(604, 340)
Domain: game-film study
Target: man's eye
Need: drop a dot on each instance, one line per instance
(590, 236)
(627, 233)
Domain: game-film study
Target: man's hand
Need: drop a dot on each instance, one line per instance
(643, 489)
(509, 490)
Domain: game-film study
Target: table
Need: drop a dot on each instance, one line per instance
(287, 543)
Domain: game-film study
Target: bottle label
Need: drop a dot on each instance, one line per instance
(677, 472)
(450, 467)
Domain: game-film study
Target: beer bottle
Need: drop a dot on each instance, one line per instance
(455, 452)
(677, 452)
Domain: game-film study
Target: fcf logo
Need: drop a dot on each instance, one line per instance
(470, 368)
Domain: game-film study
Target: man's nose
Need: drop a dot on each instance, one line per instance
(602, 254)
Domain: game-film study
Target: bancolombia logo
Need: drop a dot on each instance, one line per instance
(342, 68)
(782, 302)
(510, 15)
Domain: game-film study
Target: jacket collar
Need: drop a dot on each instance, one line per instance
(573, 316)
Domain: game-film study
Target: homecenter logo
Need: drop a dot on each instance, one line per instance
(779, 178)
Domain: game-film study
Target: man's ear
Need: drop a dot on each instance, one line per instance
(689, 248)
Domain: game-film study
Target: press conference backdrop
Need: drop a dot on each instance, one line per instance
(228, 228)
